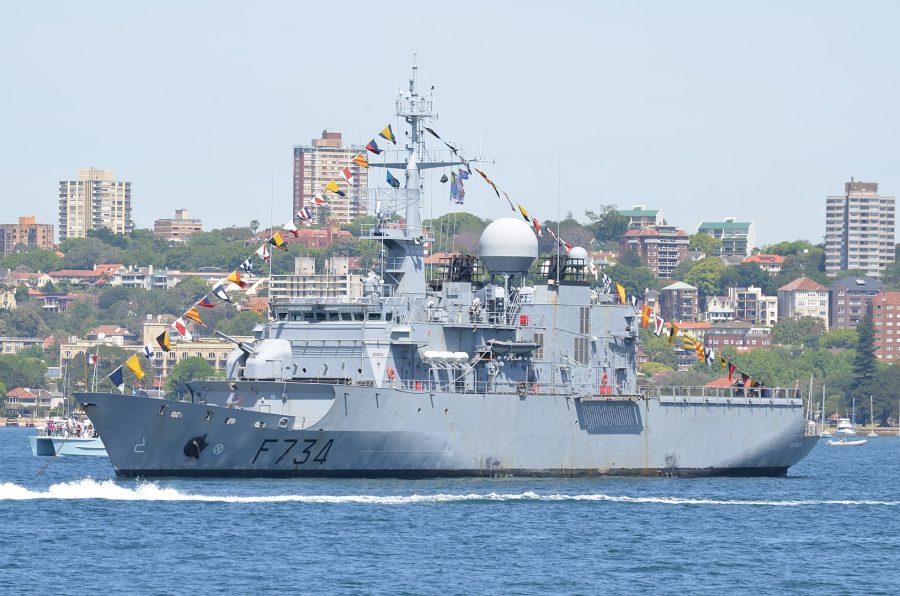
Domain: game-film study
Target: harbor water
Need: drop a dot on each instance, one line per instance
(832, 526)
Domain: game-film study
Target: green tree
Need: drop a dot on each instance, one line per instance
(865, 363)
(32, 258)
(705, 243)
(658, 349)
(788, 248)
(240, 324)
(630, 258)
(22, 371)
(22, 294)
(799, 331)
(608, 225)
(28, 321)
(186, 370)
(635, 279)
(651, 369)
(840, 338)
(745, 275)
(705, 276)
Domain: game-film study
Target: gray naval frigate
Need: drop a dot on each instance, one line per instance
(473, 371)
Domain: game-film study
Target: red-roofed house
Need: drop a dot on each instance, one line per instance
(111, 334)
(769, 263)
(23, 401)
(258, 304)
(86, 276)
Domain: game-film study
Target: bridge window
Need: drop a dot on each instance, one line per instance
(374, 316)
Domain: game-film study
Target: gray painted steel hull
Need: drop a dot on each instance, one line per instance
(386, 432)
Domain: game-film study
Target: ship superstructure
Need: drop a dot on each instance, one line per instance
(473, 372)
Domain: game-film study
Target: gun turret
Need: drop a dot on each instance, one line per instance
(244, 346)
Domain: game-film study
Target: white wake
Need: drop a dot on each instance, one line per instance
(108, 490)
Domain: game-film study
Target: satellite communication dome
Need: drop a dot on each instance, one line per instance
(507, 245)
(579, 254)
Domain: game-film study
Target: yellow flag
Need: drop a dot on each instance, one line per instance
(134, 365)
(277, 241)
(701, 352)
(193, 314)
(524, 213)
(673, 332)
(332, 186)
(388, 134)
(620, 291)
(163, 340)
(234, 278)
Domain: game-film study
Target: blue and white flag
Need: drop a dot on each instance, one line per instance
(248, 267)
(118, 379)
(220, 293)
(392, 181)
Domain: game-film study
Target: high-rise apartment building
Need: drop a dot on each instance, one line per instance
(859, 230)
(738, 237)
(318, 164)
(96, 200)
(27, 232)
(660, 248)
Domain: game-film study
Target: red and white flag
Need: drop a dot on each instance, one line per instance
(181, 327)
(92, 359)
(347, 175)
(658, 325)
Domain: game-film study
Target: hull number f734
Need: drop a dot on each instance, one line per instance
(308, 450)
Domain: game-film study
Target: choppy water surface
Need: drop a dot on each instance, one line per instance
(833, 526)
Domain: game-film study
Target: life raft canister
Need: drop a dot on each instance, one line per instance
(392, 374)
(605, 389)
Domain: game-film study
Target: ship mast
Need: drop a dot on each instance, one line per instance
(404, 268)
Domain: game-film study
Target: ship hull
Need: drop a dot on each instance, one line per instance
(368, 432)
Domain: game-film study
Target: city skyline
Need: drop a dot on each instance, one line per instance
(629, 101)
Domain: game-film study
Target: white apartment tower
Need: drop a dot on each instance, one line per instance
(96, 200)
(317, 164)
(859, 230)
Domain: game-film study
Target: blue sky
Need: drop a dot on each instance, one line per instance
(756, 110)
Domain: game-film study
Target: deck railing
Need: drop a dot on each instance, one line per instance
(699, 391)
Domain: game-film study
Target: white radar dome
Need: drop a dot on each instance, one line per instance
(578, 253)
(508, 245)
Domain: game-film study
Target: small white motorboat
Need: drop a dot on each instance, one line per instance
(846, 443)
(845, 427)
(58, 445)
